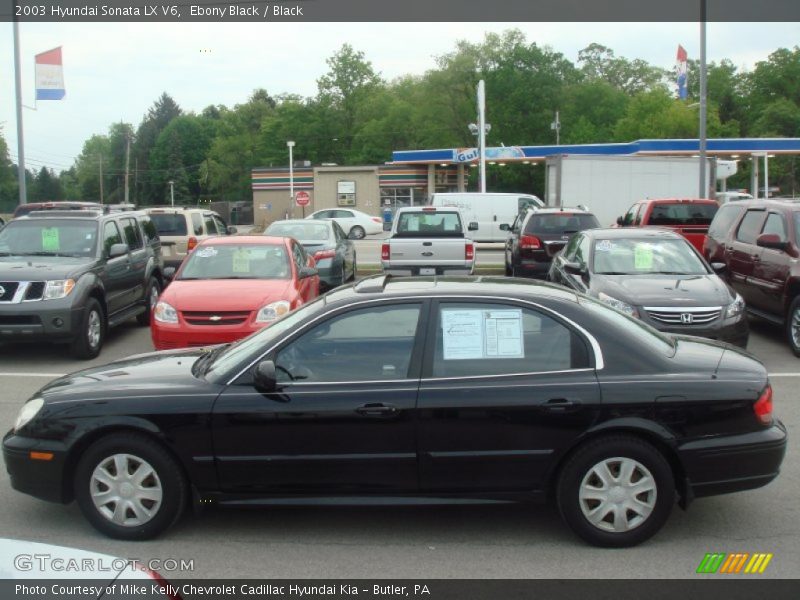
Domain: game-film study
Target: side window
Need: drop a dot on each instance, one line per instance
(627, 220)
(582, 252)
(111, 236)
(324, 214)
(723, 220)
(150, 231)
(343, 214)
(750, 226)
(571, 248)
(133, 236)
(517, 224)
(211, 228)
(221, 227)
(299, 256)
(369, 344)
(498, 339)
(776, 224)
(338, 232)
(523, 204)
(637, 220)
(197, 224)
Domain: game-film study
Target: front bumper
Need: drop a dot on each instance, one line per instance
(166, 337)
(43, 479)
(733, 463)
(40, 320)
(732, 332)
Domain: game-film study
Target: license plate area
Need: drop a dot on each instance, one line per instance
(427, 271)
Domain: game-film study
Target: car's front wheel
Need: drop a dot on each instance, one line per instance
(357, 232)
(151, 298)
(793, 326)
(128, 487)
(91, 331)
(616, 491)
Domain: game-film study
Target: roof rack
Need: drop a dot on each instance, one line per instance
(372, 285)
(83, 213)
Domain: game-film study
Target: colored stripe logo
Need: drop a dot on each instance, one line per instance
(734, 563)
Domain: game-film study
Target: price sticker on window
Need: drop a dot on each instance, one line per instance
(50, 241)
(241, 261)
(643, 257)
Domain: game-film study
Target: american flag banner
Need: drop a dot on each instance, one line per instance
(50, 75)
(681, 72)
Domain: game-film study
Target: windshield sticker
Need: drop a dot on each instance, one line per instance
(241, 261)
(643, 257)
(50, 241)
(471, 334)
(412, 223)
(206, 252)
(603, 246)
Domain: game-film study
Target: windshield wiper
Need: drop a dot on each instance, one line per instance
(203, 364)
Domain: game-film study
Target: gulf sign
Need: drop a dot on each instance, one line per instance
(50, 75)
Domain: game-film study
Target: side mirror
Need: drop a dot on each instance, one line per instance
(169, 273)
(718, 267)
(117, 250)
(574, 268)
(232, 230)
(264, 376)
(505, 227)
(770, 240)
(473, 226)
(620, 221)
(307, 272)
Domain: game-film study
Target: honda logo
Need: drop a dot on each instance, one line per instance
(687, 318)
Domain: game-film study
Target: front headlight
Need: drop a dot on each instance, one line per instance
(165, 313)
(58, 288)
(27, 412)
(735, 308)
(618, 304)
(272, 312)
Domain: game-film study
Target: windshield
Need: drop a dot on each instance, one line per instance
(433, 224)
(169, 224)
(682, 214)
(49, 237)
(646, 256)
(558, 223)
(304, 232)
(239, 355)
(239, 261)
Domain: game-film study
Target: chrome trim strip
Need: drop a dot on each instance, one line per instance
(599, 363)
(489, 453)
(677, 309)
(295, 457)
(527, 373)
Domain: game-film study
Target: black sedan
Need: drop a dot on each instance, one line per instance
(327, 242)
(411, 390)
(655, 275)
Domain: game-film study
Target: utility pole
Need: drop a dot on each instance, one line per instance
(136, 182)
(703, 94)
(127, 164)
(21, 174)
(101, 179)
(171, 192)
(556, 125)
(482, 133)
(290, 145)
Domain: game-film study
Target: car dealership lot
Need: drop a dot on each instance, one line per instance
(421, 542)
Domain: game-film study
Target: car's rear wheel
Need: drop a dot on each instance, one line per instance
(91, 332)
(129, 487)
(151, 297)
(616, 491)
(793, 326)
(357, 232)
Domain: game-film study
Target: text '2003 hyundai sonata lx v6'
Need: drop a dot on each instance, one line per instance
(411, 390)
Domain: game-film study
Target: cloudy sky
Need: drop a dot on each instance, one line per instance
(114, 72)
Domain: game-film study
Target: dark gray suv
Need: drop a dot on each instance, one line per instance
(69, 276)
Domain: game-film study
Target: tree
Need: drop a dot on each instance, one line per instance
(46, 187)
(155, 121)
(598, 63)
(183, 146)
(9, 191)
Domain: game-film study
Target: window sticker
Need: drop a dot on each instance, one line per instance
(643, 257)
(603, 246)
(471, 334)
(241, 261)
(206, 252)
(50, 241)
(413, 223)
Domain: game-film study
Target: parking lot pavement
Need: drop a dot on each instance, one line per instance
(421, 542)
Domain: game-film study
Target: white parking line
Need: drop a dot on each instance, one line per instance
(784, 374)
(51, 375)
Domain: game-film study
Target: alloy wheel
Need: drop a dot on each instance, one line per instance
(94, 329)
(126, 490)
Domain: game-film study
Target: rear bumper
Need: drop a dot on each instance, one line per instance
(43, 479)
(409, 270)
(734, 463)
(532, 268)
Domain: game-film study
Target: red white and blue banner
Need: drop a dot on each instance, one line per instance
(50, 75)
(681, 72)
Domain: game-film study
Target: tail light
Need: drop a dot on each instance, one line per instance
(324, 254)
(469, 252)
(763, 406)
(385, 252)
(376, 220)
(191, 244)
(530, 242)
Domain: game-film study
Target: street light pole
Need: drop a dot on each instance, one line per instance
(482, 132)
(290, 145)
(171, 192)
(703, 94)
(23, 197)
(557, 126)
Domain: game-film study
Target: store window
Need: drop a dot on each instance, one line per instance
(395, 198)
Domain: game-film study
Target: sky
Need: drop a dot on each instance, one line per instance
(114, 72)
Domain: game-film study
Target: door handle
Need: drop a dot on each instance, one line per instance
(562, 405)
(376, 410)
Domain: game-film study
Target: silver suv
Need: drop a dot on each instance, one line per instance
(181, 229)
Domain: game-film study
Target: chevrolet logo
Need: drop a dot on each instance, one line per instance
(687, 318)
(215, 318)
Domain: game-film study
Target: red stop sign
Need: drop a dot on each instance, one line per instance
(302, 198)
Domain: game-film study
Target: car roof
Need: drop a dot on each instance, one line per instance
(632, 233)
(679, 201)
(301, 222)
(233, 240)
(791, 204)
(555, 210)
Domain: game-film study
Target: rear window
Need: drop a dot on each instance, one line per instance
(430, 224)
(558, 223)
(310, 231)
(682, 214)
(723, 220)
(169, 224)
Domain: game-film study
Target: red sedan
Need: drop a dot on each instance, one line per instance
(230, 287)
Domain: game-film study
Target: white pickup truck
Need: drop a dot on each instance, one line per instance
(429, 240)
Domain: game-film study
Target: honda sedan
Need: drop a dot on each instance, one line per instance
(411, 390)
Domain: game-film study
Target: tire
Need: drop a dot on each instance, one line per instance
(357, 232)
(580, 475)
(151, 297)
(92, 332)
(509, 271)
(793, 326)
(355, 269)
(164, 491)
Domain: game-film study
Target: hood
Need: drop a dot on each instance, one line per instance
(226, 295)
(41, 268)
(161, 372)
(665, 290)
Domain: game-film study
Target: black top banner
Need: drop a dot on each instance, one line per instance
(401, 11)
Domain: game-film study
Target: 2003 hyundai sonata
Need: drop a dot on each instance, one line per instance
(411, 390)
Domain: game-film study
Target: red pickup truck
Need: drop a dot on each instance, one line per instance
(688, 216)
